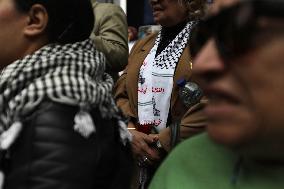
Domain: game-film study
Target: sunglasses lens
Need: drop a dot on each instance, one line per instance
(199, 37)
(231, 29)
(234, 33)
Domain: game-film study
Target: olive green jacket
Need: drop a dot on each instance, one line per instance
(110, 34)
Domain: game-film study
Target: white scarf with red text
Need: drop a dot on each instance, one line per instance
(155, 81)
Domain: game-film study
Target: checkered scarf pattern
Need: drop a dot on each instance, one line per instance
(71, 74)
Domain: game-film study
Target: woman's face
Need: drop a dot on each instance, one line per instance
(168, 12)
(11, 24)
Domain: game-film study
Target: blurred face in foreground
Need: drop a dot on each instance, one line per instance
(239, 61)
(11, 24)
(21, 33)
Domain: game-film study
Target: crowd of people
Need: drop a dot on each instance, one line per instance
(197, 104)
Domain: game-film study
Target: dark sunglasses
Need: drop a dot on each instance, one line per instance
(234, 28)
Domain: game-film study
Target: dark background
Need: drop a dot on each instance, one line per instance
(139, 13)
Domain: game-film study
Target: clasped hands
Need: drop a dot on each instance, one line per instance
(144, 146)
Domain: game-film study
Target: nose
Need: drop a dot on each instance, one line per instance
(208, 65)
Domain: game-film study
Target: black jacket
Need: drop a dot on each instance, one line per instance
(49, 154)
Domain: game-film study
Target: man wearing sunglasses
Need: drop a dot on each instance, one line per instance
(239, 59)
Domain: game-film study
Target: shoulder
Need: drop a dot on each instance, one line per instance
(149, 38)
(52, 113)
(145, 43)
(110, 7)
(57, 120)
(194, 164)
(195, 148)
(108, 14)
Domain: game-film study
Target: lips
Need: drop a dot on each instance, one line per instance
(157, 8)
(219, 95)
(222, 103)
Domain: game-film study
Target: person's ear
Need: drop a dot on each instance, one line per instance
(37, 21)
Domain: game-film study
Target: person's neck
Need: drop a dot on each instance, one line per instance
(168, 34)
(32, 46)
(172, 31)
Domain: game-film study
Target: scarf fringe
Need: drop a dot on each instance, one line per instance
(8, 137)
(84, 124)
(2, 177)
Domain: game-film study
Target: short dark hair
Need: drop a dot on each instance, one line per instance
(69, 20)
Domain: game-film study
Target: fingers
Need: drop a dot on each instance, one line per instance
(155, 137)
(141, 145)
(149, 139)
(150, 152)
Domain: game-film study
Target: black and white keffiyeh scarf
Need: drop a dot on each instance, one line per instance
(71, 74)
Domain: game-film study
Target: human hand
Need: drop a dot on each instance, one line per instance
(141, 145)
